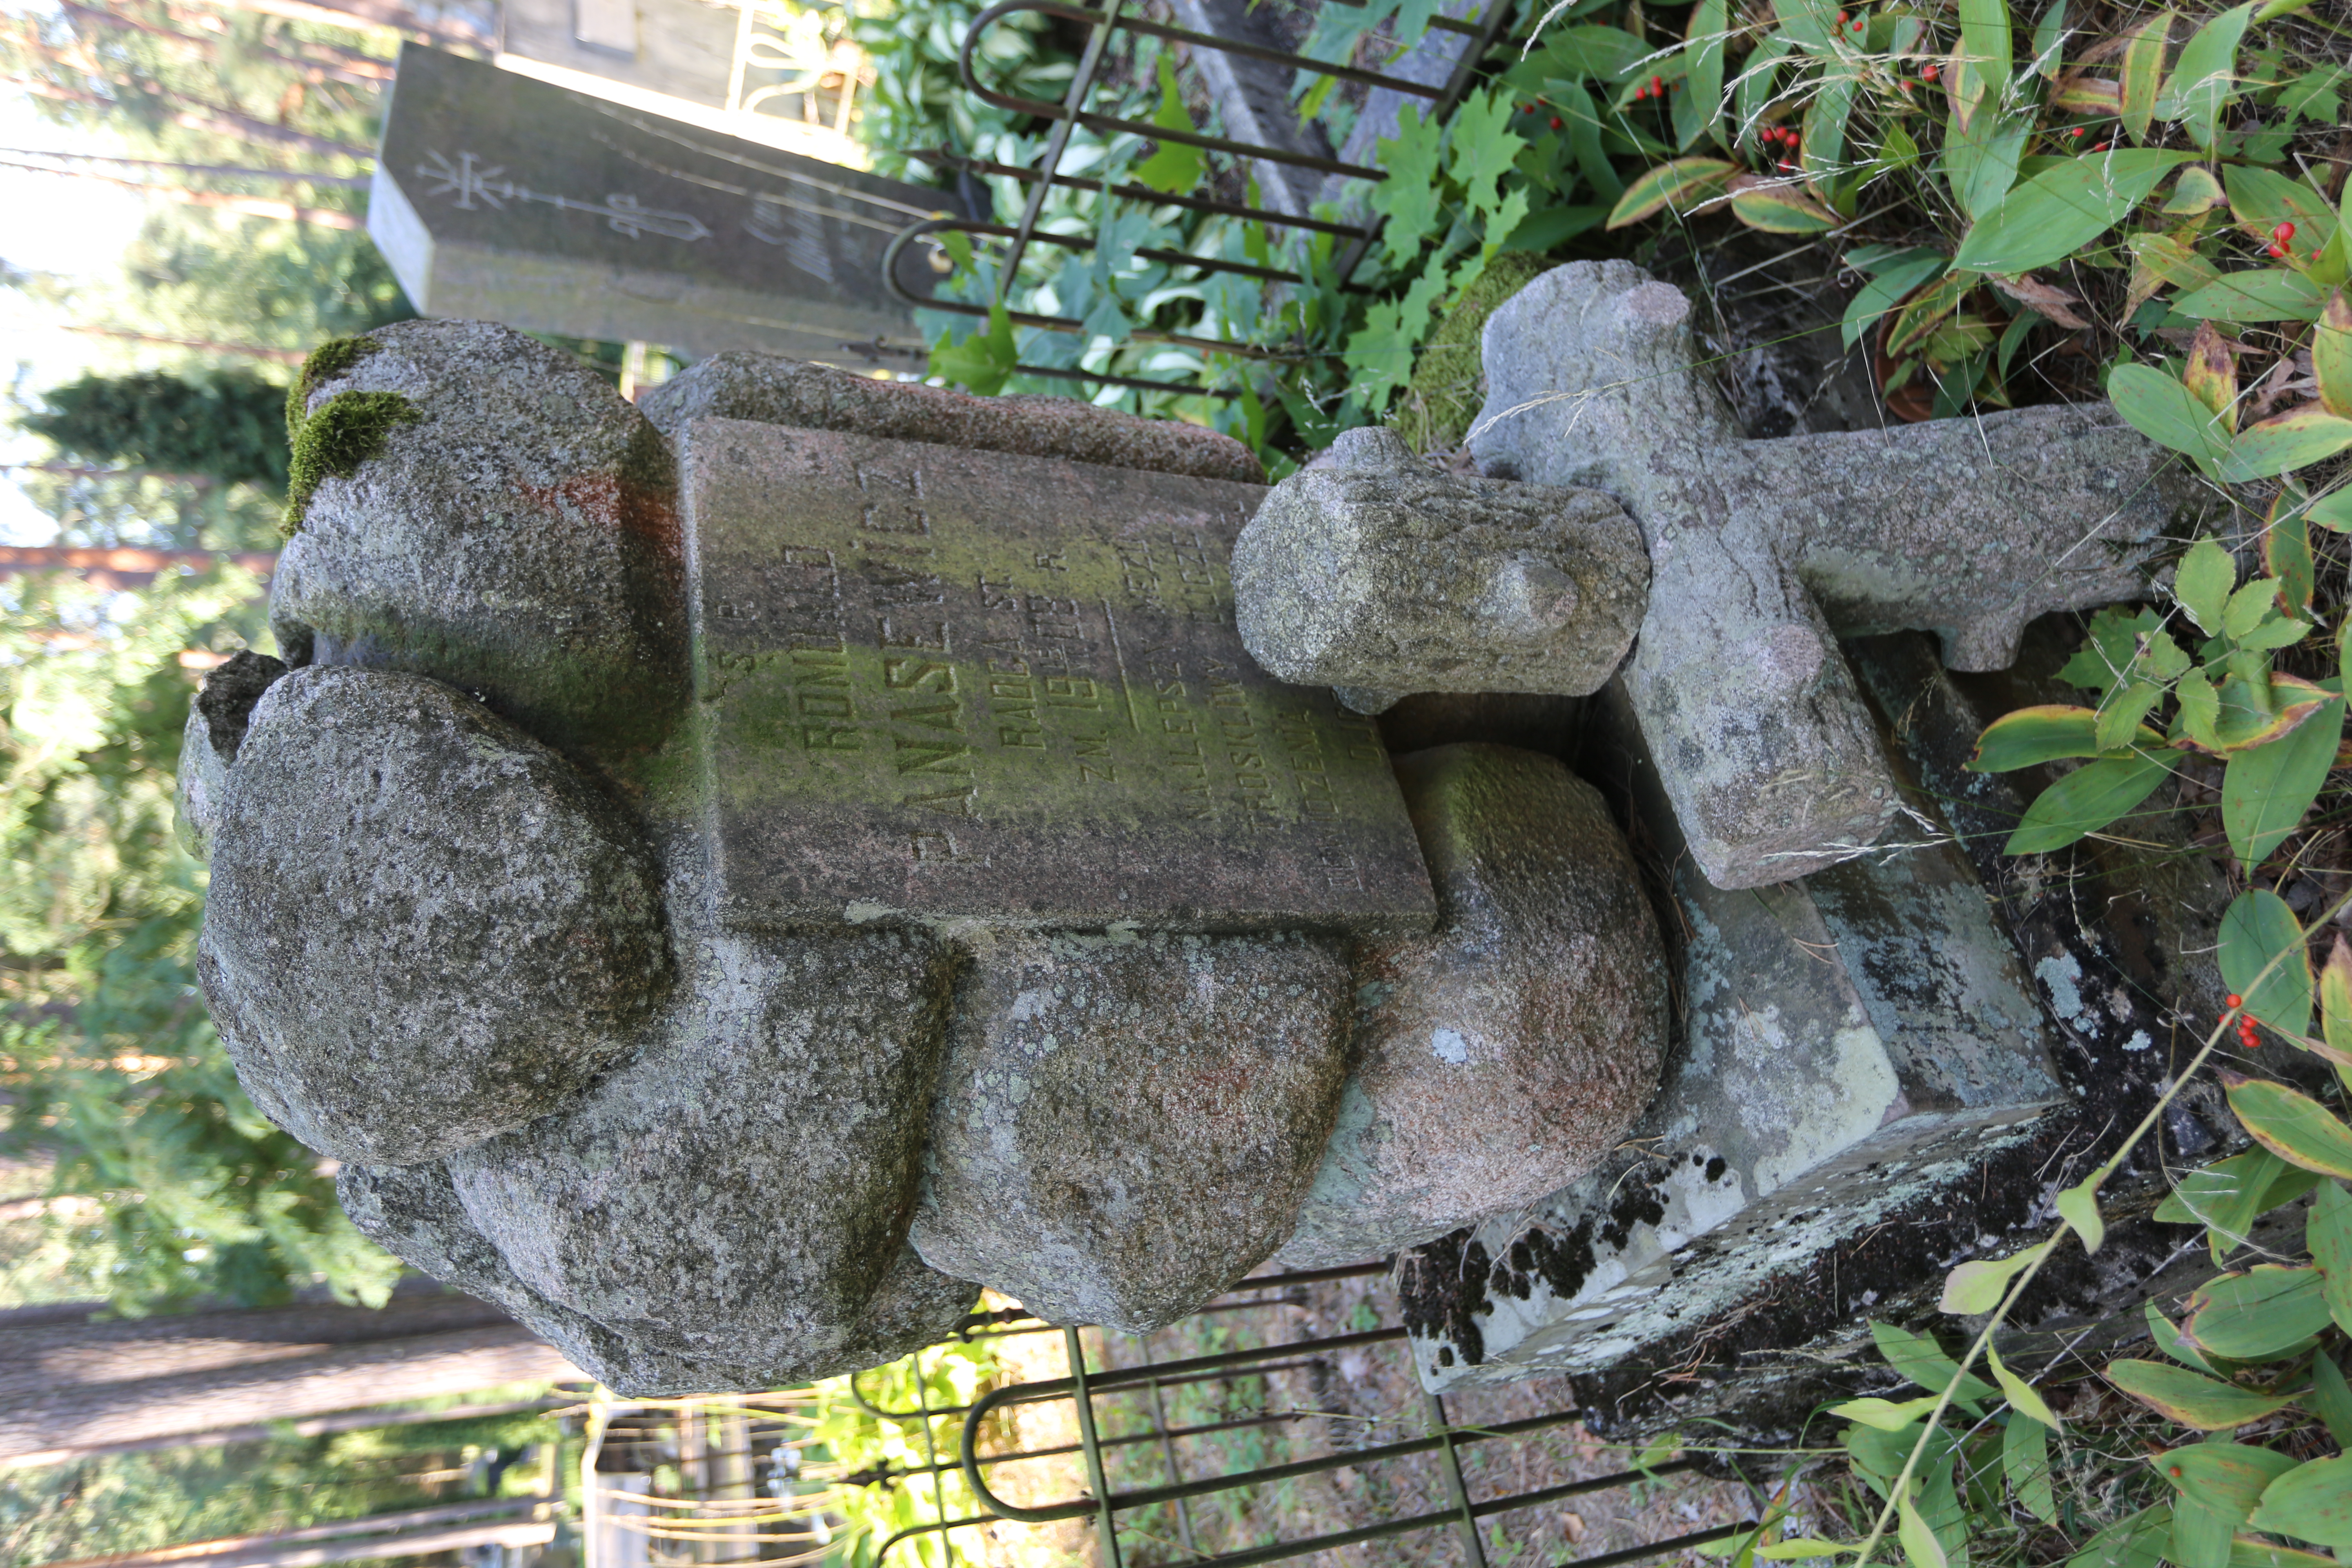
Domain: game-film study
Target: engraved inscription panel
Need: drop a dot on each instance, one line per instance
(938, 683)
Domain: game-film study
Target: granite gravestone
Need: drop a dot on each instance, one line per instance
(501, 197)
(727, 878)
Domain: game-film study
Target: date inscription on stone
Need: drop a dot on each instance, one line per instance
(937, 683)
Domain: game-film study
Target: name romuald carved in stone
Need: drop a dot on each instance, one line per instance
(730, 878)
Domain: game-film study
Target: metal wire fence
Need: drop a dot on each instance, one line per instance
(1159, 1461)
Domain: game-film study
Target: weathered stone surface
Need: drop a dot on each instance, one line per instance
(1764, 552)
(209, 742)
(414, 1213)
(941, 684)
(1382, 572)
(518, 541)
(741, 1189)
(1504, 1057)
(1125, 1126)
(1852, 1042)
(425, 927)
(772, 390)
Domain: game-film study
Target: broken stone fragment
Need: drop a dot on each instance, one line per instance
(517, 539)
(1382, 576)
(742, 1189)
(1765, 552)
(423, 927)
(414, 1213)
(1123, 1129)
(1508, 1054)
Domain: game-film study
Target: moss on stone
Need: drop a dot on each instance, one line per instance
(1448, 382)
(328, 361)
(348, 429)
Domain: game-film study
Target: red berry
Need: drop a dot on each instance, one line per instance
(1926, 73)
(1857, 26)
(1554, 122)
(2100, 148)
(1658, 84)
(2275, 249)
(2173, 1470)
(2235, 1000)
(1841, 18)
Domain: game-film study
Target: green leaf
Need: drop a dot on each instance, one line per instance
(2191, 1398)
(2050, 38)
(1920, 1543)
(2260, 294)
(2167, 413)
(2248, 608)
(1680, 186)
(2228, 1195)
(1414, 191)
(1892, 279)
(2138, 1541)
(1884, 1414)
(1592, 52)
(2254, 1315)
(2119, 720)
(2266, 791)
(1981, 159)
(1173, 166)
(2220, 1483)
(2167, 1340)
(2328, 1231)
(2257, 928)
(1923, 1360)
(2035, 735)
(2310, 1502)
(1710, 25)
(2204, 581)
(2286, 551)
(1984, 35)
(2261, 199)
(1480, 150)
(1822, 147)
(2020, 1394)
(2204, 79)
(2293, 1126)
(2078, 1205)
(2285, 442)
(2143, 72)
(2200, 710)
(2252, 1551)
(2025, 1460)
(1978, 1285)
(2060, 210)
(2331, 1398)
(2085, 800)
(983, 362)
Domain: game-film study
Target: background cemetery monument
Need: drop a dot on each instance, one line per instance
(498, 198)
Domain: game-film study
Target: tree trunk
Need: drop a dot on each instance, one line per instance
(48, 1425)
(250, 206)
(412, 1533)
(200, 116)
(233, 171)
(365, 13)
(121, 566)
(250, 350)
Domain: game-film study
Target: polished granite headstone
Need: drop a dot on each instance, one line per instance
(504, 198)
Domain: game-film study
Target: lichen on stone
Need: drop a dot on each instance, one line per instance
(328, 361)
(348, 429)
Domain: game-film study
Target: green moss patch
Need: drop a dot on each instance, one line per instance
(1449, 381)
(328, 361)
(348, 429)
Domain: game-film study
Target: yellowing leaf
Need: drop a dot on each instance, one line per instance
(2336, 1000)
(2191, 1398)
(2078, 1205)
(1920, 1542)
(1777, 208)
(2294, 1127)
(1977, 1286)
(2197, 191)
(2143, 72)
(1678, 186)
(1884, 1414)
(2283, 443)
(2211, 375)
(2331, 355)
(2255, 1315)
(2087, 95)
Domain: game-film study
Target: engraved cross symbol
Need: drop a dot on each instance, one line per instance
(466, 180)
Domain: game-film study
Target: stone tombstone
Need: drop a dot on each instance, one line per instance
(501, 197)
(731, 877)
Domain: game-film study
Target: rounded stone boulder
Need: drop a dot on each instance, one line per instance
(425, 928)
(1504, 1054)
(475, 506)
(1124, 1128)
(741, 1192)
